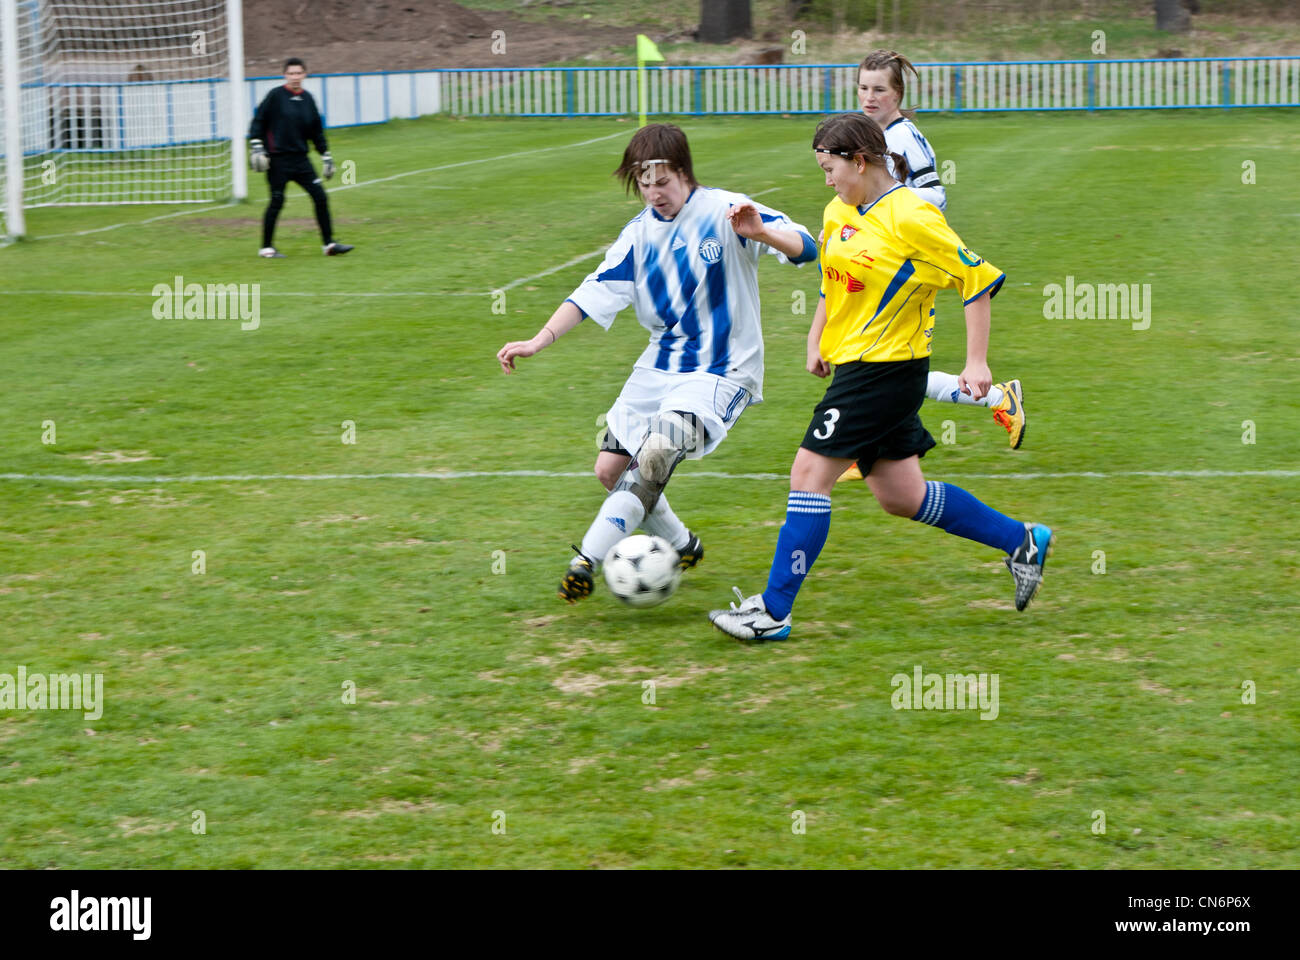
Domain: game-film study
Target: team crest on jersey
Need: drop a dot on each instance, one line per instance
(710, 250)
(846, 231)
(969, 257)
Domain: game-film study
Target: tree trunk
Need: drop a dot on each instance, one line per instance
(1172, 17)
(723, 20)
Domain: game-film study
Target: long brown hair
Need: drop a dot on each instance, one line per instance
(656, 141)
(893, 64)
(855, 135)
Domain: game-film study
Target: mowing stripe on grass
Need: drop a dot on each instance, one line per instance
(552, 474)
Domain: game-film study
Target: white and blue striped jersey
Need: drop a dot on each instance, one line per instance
(694, 282)
(903, 137)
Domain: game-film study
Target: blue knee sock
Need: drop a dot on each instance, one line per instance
(807, 521)
(959, 513)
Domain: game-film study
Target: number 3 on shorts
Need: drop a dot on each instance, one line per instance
(832, 417)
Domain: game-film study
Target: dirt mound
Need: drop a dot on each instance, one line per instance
(338, 36)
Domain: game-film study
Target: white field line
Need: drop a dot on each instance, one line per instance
(549, 474)
(466, 163)
(325, 293)
(546, 273)
(264, 293)
(349, 186)
(133, 223)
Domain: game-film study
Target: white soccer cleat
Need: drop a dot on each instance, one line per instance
(750, 620)
(269, 252)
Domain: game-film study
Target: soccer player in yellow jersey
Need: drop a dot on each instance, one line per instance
(881, 91)
(885, 254)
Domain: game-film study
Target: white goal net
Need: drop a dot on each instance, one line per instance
(120, 101)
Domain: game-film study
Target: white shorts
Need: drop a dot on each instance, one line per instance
(717, 402)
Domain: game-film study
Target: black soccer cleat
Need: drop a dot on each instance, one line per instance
(691, 554)
(578, 580)
(336, 249)
(1026, 564)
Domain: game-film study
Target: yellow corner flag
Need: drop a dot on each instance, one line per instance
(645, 50)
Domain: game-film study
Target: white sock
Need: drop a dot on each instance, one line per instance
(662, 522)
(945, 388)
(619, 516)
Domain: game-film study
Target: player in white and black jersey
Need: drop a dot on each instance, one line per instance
(881, 89)
(688, 263)
(902, 136)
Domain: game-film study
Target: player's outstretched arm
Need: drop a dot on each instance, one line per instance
(564, 319)
(817, 364)
(747, 222)
(976, 379)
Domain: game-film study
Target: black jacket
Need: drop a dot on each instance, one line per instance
(286, 122)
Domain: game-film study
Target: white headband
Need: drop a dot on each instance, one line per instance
(648, 174)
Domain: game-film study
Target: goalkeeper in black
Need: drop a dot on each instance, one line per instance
(285, 123)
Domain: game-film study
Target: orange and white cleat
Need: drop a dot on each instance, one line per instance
(1010, 411)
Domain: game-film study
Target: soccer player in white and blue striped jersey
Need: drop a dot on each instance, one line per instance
(881, 90)
(688, 264)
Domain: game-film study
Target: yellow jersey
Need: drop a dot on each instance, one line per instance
(881, 265)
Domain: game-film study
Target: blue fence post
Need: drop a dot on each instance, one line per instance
(1092, 86)
(568, 93)
(826, 90)
(1227, 86)
(697, 95)
(121, 121)
(956, 90)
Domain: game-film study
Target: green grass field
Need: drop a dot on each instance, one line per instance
(477, 691)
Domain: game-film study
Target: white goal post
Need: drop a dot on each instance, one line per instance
(120, 101)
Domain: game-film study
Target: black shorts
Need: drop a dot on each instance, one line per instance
(870, 412)
(293, 167)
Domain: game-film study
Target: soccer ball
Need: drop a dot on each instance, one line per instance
(642, 571)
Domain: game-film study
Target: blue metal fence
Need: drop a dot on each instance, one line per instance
(123, 116)
(826, 88)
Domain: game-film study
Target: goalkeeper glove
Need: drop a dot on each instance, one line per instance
(327, 165)
(259, 159)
